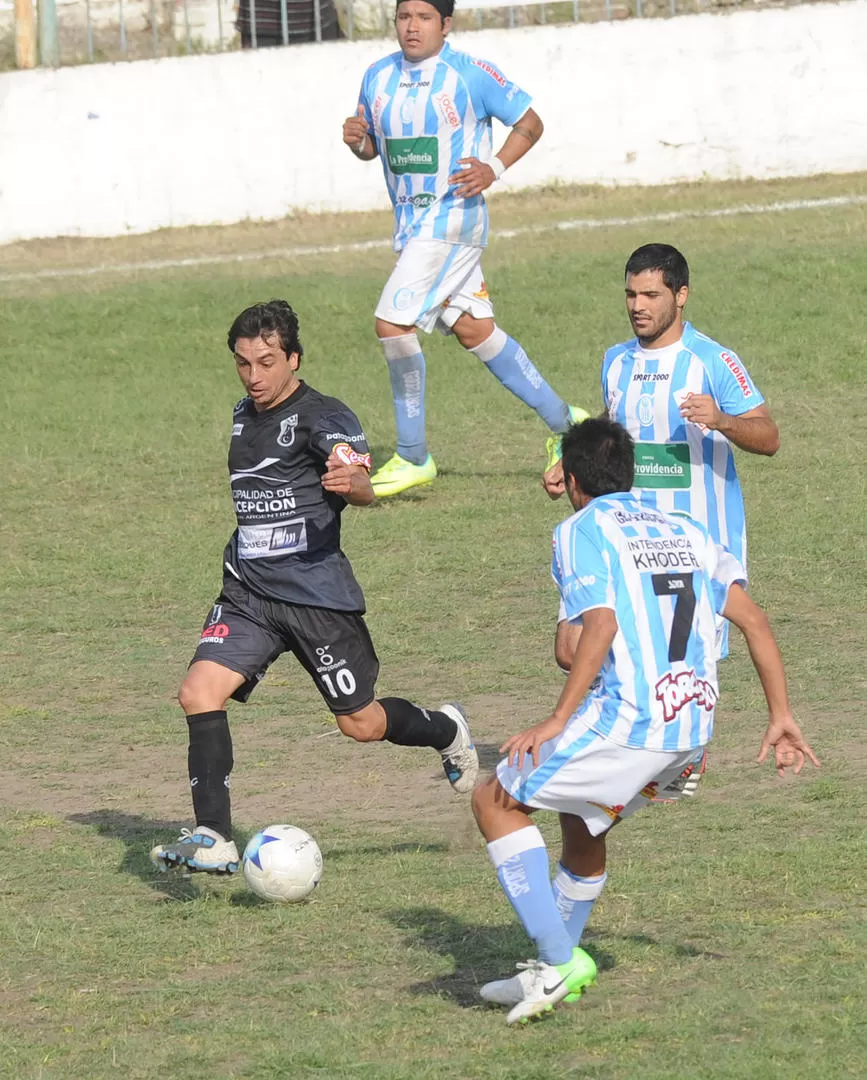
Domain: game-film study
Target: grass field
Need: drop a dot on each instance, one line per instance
(731, 935)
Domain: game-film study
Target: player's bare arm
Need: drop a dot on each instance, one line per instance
(476, 176)
(350, 481)
(754, 430)
(597, 634)
(783, 733)
(356, 135)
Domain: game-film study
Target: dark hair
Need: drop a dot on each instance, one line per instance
(446, 8)
(664, 257)
(263, 320)
(600, 455)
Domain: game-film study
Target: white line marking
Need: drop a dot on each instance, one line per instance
(500, 234)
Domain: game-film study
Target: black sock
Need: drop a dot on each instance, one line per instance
(210, 761)
(409, 725)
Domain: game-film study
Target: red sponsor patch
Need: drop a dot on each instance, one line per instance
(351, 457)
(675, 691)
(738, 372)
(489, 69)
(216, 632)
(450, 113)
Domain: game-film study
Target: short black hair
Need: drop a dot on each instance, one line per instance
(263, 320)
(446, 8)
(664, 257)
(600, 455)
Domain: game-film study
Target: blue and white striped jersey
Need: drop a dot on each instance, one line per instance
(423, 117)
(666, 580)
(680, 465)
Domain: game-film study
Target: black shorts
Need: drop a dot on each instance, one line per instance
(246, 633)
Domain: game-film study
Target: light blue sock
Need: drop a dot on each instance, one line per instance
(505, 359)
(575, 897)
(406, 369)
(521, 862)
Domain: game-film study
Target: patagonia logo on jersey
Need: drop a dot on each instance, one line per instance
(447, 110)
(489, 69)
(351, 457)
(738, 372)
(675, 691)
(418, 156)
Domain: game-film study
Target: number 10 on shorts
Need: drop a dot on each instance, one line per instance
(343, 677)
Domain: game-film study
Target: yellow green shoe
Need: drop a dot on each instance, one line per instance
(398, 475)
(553, 446)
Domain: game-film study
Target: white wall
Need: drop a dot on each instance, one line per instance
(110, 149)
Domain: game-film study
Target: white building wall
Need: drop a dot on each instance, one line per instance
(118, 148)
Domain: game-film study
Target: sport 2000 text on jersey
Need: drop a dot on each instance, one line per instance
(287, 543)
(423, 117)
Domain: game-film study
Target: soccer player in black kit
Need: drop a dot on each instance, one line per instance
(296, 458)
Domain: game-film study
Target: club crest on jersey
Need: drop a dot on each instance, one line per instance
(351, 457)
(286, 435)
(645, 410)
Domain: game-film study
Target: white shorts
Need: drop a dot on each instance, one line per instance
(433, 284)
(587, 775)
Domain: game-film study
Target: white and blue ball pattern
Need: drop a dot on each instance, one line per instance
(282, 863)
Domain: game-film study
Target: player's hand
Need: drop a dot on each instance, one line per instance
(343, 479)
(473, 178)
(701, 409)
(553, 481)
(790, 749)
(355, 129)
(530, 741)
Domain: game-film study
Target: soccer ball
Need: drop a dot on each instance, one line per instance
(282, 863)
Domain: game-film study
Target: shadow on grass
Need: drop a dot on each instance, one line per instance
(140, 834)
(480, 952)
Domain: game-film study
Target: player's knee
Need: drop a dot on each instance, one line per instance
(362, 726)
(483, 801)
(194, 698)
(472, 332)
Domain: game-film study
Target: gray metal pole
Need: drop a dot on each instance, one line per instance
(220, 23)
(638, 9)
(511, 18)
(122, 27)
(155, 39)
(49, 46)
(254, 39)
(187, 38)
(317, 19)
(89, 32)
(575, 12)
(350, 20)
(284, 21)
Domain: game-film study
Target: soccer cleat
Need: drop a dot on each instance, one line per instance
(686, 784)
(553, 446)
(398, 475)
(201, 849)
(514, 991)
(461, 759)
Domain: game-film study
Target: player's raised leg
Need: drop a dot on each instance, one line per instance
(520, 857)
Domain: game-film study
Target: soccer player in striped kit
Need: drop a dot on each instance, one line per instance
(638, 703)
(426, 112)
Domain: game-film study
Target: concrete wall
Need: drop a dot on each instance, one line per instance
(112, 149)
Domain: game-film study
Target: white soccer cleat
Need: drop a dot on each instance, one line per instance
(461, 759)
(200, 849)
(538, 986)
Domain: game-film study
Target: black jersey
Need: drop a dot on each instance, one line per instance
(287, 544)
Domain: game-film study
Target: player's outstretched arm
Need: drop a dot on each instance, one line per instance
(356, 135)
(476, 176)
(783, 734)
(597, 633)
(350, 481)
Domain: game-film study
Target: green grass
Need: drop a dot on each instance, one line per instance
(730, 938)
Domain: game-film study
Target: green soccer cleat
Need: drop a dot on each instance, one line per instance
(398, 475)
(538, 987)
(553, 444)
